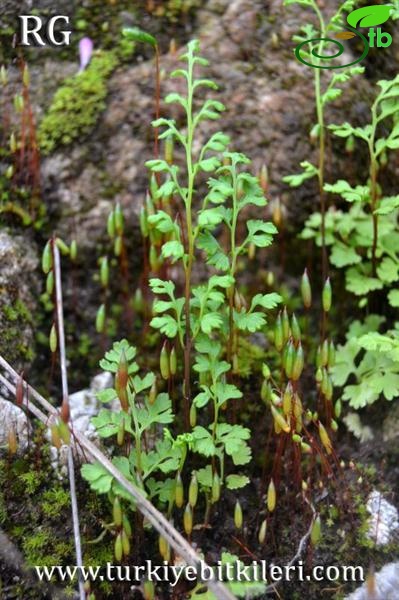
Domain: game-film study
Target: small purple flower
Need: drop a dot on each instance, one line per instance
(85, 52)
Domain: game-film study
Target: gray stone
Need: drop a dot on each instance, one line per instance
(390, 427)
(383, 523)
(13, 419)
(385, 586)
(83, 405)
(19, 290)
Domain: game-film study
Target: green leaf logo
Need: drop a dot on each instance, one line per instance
(369, 16)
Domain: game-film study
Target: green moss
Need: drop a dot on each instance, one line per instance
(55, 501)
(36, 545)
(174, 10)
(17, 311)
(3, 509)
(31, 482)
(78, 104)
(13, 319)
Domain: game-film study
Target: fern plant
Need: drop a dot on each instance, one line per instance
(367, 364)
(326, 90)
(201, 309)
(144, 453)
(201, 321)
(364, 241)
(209, 317)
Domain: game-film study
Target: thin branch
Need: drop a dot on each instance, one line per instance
(302, 543)
(65, 400)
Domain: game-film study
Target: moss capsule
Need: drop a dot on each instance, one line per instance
(47, 258)
(111, 225)
(152, 396)
(295, 329)
(331, 354)
(271, 496)
(143, 222)
(265, 391)
(278, 334)
(285, 324)
(64, 432)
(279, 419)
(163, 548)
(50, 283)
(62, 246)
(306, 290)
(120, 436)
(12, 442)
(19, 391)
(193, 415)
(127, 528)
(289, 359)
(193, 490)
(164, 362)
(188, 519)
(118, 219)
(73, 250)
(216, 487)
(148, 590)
(118, 244)
(287, 399)
(238, 518)
(125, 543)
(100, 319)
(338, 408)
(327, 295)
(169, 149)
(118, 548)
(55, 436)
(117, 511)
(53, 338)
(315, 533)
(262, 532)
(104, 272)
(325, 440)
(179, 491)
(299, 362)
(324, 353)
(173, 361)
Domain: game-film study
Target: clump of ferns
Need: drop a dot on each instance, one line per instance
(200, 325)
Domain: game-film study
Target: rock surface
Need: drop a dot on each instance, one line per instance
(19, 291)
(13, 420)
(385, 586)
(83, 405)
(384, 519)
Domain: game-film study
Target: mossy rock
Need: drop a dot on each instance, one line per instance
(18, 293)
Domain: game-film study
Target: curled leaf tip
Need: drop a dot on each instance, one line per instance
(135, 34)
